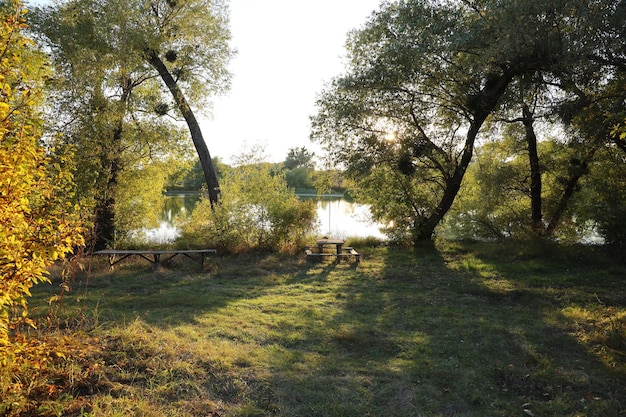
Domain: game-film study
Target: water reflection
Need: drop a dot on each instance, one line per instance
(180, 204)
(336, 217)
(340, 218)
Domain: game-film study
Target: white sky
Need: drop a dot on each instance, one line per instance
(287, 50)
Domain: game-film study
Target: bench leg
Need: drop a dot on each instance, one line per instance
(113, 261)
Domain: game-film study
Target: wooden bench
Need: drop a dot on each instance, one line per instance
(351, 252)
(346, 252)
(154, 256)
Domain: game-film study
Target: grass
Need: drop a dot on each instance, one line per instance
(457, 330)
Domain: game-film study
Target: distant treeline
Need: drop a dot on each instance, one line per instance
(298, 168)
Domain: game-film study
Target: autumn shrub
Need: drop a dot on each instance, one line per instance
(257, 211)
(38, 224)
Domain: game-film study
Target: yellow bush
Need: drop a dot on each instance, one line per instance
(38, 224)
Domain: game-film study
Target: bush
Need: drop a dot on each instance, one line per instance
(38, 224)
(257, 211)
(603, 202)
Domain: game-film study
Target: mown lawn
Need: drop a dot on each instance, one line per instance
(459, 330)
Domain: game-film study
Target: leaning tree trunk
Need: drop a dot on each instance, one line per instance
(482, 105)
(577, 169)
(208, 168)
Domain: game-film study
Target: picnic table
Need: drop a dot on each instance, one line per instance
(154, 256)
(336, 244)
(338, 250)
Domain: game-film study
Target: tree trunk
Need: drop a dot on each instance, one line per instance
(483, 105)
(535, 170)
(577, 170)
(104, 224)
(208, 168)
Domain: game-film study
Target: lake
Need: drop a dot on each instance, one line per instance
(340, 218)
(336, 217)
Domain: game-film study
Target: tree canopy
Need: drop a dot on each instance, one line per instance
(299, 158)
(125, 73)
(425, 78)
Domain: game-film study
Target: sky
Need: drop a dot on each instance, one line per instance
(286, 51)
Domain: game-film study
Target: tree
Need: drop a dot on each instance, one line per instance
(419, 75)
(579, 144)
(191, 177)
(186, 42)
(38, 224)
(424, 76)
(103, 109)
(299, 158)
(299, 165)
(497, 200)
(116, 105)
(603, 202)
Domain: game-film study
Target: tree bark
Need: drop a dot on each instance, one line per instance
(535, 170)
(482, 105)
(210, 175)
(104, 224)
(577, 170)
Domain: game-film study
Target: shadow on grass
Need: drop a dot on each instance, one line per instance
(176, 292)
(444, 335)
(435, 332)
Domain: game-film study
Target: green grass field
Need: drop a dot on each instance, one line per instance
(460, 330)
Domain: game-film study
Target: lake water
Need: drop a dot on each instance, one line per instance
(336, 217)
(340, 218)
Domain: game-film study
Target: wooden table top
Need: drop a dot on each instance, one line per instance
(330, 242)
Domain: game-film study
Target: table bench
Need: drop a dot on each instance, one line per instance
(341, 251)
(154, 256)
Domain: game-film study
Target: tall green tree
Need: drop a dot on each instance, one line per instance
(116, 106)
(424, 76)
(186, 42)
(299, 158)
(581, 96)
(299, 165)
(603, 202)
(103, 109)
(548, 210)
